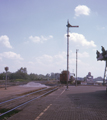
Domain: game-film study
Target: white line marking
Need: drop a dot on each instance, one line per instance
(43, 112)
(62, 92)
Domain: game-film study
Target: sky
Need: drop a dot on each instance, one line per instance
(33, 35)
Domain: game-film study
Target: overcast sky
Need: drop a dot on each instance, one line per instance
(33, 35)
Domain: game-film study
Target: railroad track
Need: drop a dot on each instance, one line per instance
(20, 101)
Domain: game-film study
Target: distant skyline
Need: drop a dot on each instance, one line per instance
(33, 35)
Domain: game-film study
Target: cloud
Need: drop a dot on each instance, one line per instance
(11, 55)
(41, 39)
(5, 41)
(48, 59)
(59, 58)
(100, 28)
(80, 55)
(30, 62)
(80, 39)
(48, 63)
(84, 54)
(0, 58)
(58, 61)
(45, 59)
(82, 10)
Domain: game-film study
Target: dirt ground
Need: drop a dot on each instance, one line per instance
(14, 90)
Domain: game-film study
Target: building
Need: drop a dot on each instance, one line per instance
(89, 79)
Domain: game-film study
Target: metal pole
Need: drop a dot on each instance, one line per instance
(6, 82)
(6, 69)
(67, 56)
(76, 66)
(104, 74)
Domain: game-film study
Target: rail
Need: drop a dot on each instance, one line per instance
(22, 96)
(28, 102)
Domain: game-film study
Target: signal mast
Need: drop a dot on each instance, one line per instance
(68, 26)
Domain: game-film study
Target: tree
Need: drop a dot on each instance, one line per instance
(52, 75)
(2, 76)
(21, 73)
(33, 76)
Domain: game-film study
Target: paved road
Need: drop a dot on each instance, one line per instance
(77, 103)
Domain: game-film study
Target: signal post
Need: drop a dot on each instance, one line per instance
(68, 26)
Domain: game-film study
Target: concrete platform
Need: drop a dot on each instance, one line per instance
(77, 103)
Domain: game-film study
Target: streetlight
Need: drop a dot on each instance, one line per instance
(68, 25)
(6, 69)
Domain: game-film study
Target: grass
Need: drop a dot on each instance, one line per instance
(6, 116)
(20, 80)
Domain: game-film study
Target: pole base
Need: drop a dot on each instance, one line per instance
(66, 89)
(106, 90)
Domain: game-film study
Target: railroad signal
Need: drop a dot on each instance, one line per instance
(6, 69)
(68, 26)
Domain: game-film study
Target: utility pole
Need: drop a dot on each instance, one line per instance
(76, 65)
(68, 25)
